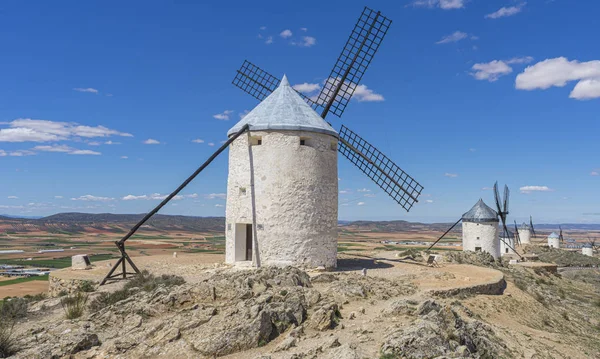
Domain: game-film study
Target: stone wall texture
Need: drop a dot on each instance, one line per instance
(66, 286)
(295, 197)
(483, 235)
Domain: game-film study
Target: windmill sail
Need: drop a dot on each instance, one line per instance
(367, 35)
(259, 84)
(531, 225)
(379, 168)
(517, 236)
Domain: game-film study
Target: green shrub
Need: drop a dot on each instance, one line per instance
(35, 298)
(147, 282)
(13, 308)
(86, 286)
(8, 344)
(106, 299)
(74, 305)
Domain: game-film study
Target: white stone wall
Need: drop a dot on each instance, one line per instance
(504, 249)
(525, 236)
(554, 242)
(484, 235)
(296, 197)
(587, 251)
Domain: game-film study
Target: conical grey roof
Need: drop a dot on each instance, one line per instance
(480, 213)
(284, 109)
(553, 235)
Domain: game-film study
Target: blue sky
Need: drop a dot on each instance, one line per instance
(100, 102)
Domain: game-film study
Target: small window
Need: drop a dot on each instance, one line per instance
(477, 249)
(333, 146)
(243, 191)
(255, 141)
(260, 227)
(477, 237)
(304, 141)
(229, 226)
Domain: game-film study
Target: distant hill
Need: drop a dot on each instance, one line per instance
(74, 223)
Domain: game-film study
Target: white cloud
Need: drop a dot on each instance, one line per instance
(124, 157)
(363, 94)
(442, 4)
(529, 189)
(151, 141)
(451, 175)
(211, 144)
(112, 143)
(487, 188)
(520, 60)
(429, 201)
(269, 40)
(364, 190)
(344, 191)
(263, 27)
(12, 197)
(53, 148)
(90, 198)
(472, 150)
(595, 173)
(156, 196)
(586, 89)
(85, 152)
(370, 195)
(219, 205)
(3, 154)
(286, 33)
(197, 140)
(306, 87)
(21, 153)
(243, 114)
(557, 72)
(360, 203)
(455, 37)
(216, 196)
(491, 71)
(58, 197)
(304, 29)
(30, 130)
(506, 11)
(307, 41)
(93, 143)
(223, 116)
(88, 89)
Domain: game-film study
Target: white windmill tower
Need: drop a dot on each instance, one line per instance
(283, 185)
(524, 232)
(554, 240)
(480, 230)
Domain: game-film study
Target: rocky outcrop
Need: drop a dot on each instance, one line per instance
(440, 331)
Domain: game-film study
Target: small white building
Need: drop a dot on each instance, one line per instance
(553, 240)
(480, 230)
(282, 186)
(587, 250)
(525, 233)
(507, 243)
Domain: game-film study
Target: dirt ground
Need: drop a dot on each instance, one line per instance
(22, 289)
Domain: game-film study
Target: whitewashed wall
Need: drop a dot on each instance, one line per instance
(587, 251)
(506, 249)
(296, 197)
(554, 242)
(525, 235)
(484, 235)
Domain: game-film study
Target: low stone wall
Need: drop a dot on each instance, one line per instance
(57, 286)
(491, 288)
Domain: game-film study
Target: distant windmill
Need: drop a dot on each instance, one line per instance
(531, 226)
(589, 248)
(560, 235)
(517, 236)
(361, 46)
(481, 212)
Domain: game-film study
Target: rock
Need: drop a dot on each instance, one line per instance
(325, 317)
(427, 306)
(362, 310)
(352, 315)
(80, 261)
(286, 344)
(343, 352)
(399, 307)
(85, 343)
(333, 343)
